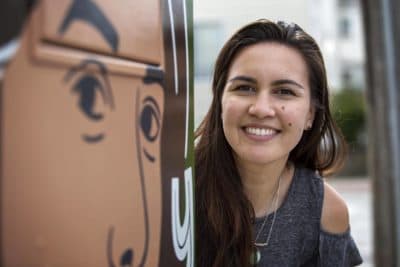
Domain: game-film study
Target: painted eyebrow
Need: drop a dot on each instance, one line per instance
(89, 12)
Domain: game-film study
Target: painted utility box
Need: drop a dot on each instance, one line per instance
(96, 136)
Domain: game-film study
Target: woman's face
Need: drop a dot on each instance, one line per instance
(266, 103)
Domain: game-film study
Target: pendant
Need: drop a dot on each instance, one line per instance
(255, 257)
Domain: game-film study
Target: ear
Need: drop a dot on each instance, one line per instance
(310, 117)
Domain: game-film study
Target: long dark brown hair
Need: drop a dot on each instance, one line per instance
(224, 215)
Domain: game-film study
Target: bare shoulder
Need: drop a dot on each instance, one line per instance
(335, 214)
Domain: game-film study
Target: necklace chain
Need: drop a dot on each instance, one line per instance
(274, 204)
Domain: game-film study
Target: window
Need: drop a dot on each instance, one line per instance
(344, 28)
(207, 43)
(344, 3)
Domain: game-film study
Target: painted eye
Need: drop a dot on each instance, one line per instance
(91, 85)
(150, 119)
(86, 88)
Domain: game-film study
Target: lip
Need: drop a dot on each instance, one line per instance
(258, 132)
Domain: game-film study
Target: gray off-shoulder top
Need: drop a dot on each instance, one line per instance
(297, 238)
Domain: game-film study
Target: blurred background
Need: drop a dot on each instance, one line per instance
(337, 27)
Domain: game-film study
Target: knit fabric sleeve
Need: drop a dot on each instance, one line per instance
(338, 250)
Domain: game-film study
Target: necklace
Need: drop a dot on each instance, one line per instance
(256, 255)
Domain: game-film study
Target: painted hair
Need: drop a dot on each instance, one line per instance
(224, 215)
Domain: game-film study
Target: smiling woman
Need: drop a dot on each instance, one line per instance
(261, 150)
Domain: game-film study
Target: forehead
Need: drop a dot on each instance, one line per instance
(128, 30)
(270, 60)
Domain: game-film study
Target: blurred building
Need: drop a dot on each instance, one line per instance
(335, 24)
(337, 27)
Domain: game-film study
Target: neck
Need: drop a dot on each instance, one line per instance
(260, 183)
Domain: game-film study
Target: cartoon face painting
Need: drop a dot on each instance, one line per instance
(84, 103)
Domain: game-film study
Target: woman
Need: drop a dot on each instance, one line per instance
(267, 138)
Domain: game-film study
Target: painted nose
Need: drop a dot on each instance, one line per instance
(262, 107)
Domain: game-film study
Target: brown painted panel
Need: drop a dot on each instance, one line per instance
(80, 158)
(95, 159)
(129, 29)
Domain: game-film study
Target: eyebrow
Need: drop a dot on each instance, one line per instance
(89, 12)
(274, 83)
(287, 81)
(243, 78)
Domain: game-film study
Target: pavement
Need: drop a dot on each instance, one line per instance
(357, 193)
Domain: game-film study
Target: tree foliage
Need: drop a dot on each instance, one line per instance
(348, 108)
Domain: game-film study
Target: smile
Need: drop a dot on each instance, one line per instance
(260, 131)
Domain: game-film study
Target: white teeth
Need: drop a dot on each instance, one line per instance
(259, 131)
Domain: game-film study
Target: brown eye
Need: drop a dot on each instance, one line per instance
(245, 89)
(150, 119)
(285, 92)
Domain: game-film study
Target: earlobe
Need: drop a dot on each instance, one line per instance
(310, 120)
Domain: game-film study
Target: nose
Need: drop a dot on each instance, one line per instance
(262, 106)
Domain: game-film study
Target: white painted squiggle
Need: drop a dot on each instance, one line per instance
(187, 77)
(183, 234)
(171, 18)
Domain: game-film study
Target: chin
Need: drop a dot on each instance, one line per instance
(258, 159)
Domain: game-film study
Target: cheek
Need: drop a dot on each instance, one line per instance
(294, 118)
(230, 109)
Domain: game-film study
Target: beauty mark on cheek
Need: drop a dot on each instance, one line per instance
(290, 124)
(283, 107)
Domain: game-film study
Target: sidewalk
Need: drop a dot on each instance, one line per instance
(358, 195)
